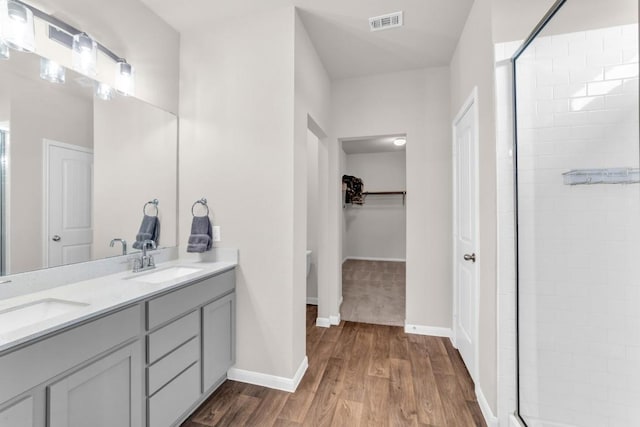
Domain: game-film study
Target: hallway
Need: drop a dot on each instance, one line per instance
(359, 375)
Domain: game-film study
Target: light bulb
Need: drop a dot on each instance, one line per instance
(104, 91)
(51, 71)
(16, 23)
(125, 78)
(399, 142)
(85, 54)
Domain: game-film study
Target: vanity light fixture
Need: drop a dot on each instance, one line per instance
(85, 54)
(51, 71)
(16, 24)
(104, 91)
(125, 78)
(399, 142)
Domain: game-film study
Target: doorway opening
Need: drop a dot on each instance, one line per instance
(374, 229)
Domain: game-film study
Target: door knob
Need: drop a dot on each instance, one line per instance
(471, 257)
(56, 238)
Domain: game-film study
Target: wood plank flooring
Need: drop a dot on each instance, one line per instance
(359, 375)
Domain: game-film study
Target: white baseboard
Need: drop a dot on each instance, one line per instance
(323, 322)
(514, 422)
(368, 258)
(312, 300)
(490, 419)
(433, 331)
(270, 381)
(335, 320)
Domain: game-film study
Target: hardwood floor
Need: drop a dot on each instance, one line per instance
(359, 375)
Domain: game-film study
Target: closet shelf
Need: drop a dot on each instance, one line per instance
(602, 176)
(385, 193)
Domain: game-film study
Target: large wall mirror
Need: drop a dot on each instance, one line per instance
(76, 171)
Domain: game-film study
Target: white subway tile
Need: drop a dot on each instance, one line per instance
(608, 57)
(625, 101)
(551, 79)
(626, 71)
(587, 75)
(552, 106)
(630, 55)
(569, 91)
(604, 88)
(587, 103)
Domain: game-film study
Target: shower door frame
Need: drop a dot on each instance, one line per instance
(534, 34)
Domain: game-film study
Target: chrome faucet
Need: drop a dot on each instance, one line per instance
(124, 244)
(145, 262)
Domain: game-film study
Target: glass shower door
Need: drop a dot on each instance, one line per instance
(578, 217)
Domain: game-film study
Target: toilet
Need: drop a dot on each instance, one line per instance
(308, 262)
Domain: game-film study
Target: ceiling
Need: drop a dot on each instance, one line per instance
(379, 144)
(340, 32)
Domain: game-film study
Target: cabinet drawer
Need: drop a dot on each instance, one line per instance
(29, 366)
(171, 336)
(170, 366)
(172, 305)
(172, 401)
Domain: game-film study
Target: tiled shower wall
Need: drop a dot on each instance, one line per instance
(579, 245)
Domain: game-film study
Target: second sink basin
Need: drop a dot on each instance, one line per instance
(34, 312)
(165, 275)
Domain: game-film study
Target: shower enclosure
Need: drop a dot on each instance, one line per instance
(578, 217)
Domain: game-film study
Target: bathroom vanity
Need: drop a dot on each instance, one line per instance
(120, 350)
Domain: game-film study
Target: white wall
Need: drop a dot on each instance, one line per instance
(377, 229)
(237, 150)
(136, 160)
(415, 103)
(472, 65)
(311, 112)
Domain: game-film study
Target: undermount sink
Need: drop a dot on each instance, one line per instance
(165, 275)
(34, 312)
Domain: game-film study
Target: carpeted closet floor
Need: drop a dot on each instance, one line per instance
(373, 292)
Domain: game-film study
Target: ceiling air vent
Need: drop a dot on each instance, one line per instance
(385, 22)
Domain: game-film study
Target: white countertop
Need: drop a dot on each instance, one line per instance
(102, 294)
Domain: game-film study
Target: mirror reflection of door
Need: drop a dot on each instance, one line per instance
(3, 203)
(68, 214)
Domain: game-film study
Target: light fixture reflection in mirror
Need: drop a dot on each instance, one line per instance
(51, 71)
(85, 54)
(16, 25)
(4, 50)
(125, 79)
(104, 91)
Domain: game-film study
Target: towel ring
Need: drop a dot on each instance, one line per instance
(202, 202)
(154, 203)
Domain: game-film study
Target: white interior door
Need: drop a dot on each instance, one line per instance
(69, 204)
(465, 237)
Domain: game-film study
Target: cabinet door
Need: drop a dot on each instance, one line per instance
(18, 415)
(106, 393)
(218, 340)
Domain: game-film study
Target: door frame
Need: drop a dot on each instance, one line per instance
(47, 144)
(471, 103)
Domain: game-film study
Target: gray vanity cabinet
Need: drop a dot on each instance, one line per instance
(218, 340)
(190, 346)
(105, 393)
(90, 374)
(19, 414)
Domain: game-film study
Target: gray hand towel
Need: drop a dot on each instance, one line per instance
(200, 239)
(149, 230)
